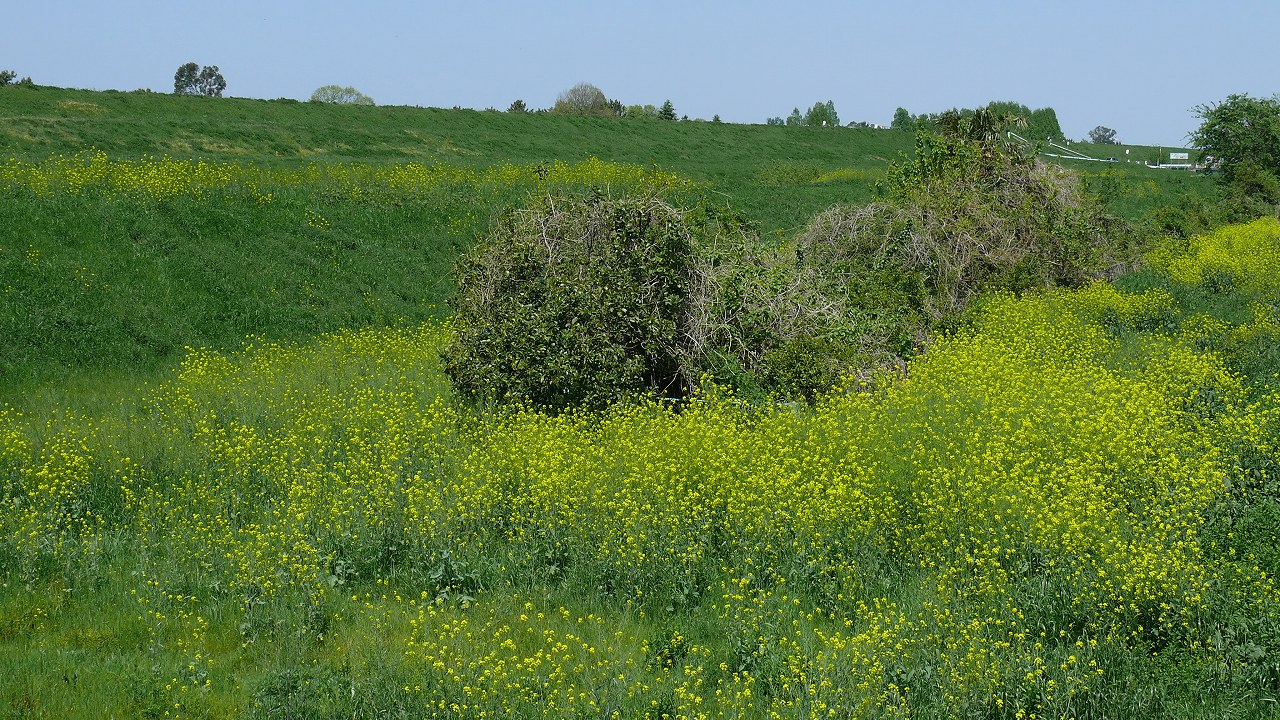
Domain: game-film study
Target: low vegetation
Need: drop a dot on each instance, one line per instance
(243, 465)
(1065, 509)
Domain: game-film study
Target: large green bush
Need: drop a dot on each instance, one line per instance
(575, 301)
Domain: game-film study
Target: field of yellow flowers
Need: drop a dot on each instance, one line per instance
(1061, 511)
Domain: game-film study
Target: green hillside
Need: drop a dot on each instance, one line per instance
(236, 479)
(97, 277)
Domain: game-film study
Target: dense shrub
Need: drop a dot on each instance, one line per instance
(575, 302)
(864, 286)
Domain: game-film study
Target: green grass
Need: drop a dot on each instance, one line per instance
(121, 284)
(312, 526)
(37, 122)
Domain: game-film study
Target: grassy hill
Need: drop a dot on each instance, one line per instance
(96, 277)
(1066, 509)
(778, 176)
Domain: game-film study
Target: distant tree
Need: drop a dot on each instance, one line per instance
(582, 99)
(775, 121)
(211, 83)
(186, 78)
(715, 118)
(616, 108)
(517, 106)
(191, 79)
(648, 112)
(7, 77)
(1241, 133)
(1103, 135)
(338, 95)
(822, 115)
(902, 120)
(795, 119)
(668, 111)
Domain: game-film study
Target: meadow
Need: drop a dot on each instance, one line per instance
(235, 482)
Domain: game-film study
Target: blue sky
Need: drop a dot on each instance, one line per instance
(1138, 67)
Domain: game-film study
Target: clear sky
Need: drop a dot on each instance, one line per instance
(1138, 67)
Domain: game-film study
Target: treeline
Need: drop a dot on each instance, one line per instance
(1041, 124)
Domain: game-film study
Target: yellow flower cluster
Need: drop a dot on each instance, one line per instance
(93, 170)
(1246, 256)
(166, 177)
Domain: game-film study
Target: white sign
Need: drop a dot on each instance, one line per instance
(1179, 156)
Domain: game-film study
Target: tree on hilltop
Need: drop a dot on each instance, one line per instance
(191, 79)
(517, 106)
(667, 111)
(822, 115)
(1103, 135)
(902, 120)
(582, 99)
(337, 95)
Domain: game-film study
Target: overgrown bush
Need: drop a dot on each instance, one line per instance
(863, 287)
(578, 302)
(575, 301)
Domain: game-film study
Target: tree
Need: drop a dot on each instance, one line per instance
(517, 106)
(1103, 135)
(648, 112)
(902, 120)
(775, 121)
(211, 82)
(337, 95)
(668, 111)
(582, 99)
(7, 77)
(795, 119)
(1238, 132)
(191, 79)
(822, 115)
(185, 79)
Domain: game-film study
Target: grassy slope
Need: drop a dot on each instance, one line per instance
(120, 287)
(35, 123)
(769, 171)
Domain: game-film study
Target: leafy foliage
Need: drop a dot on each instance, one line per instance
(517, 106)
(7, 77)
(1103, 135)
(338, 95)
(191, 79)
(902, 120)
(1242, 136)
(574, 302)
(822, 115)
(583, 99)
(667, 111)
(1240, 131)
(969, 214)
